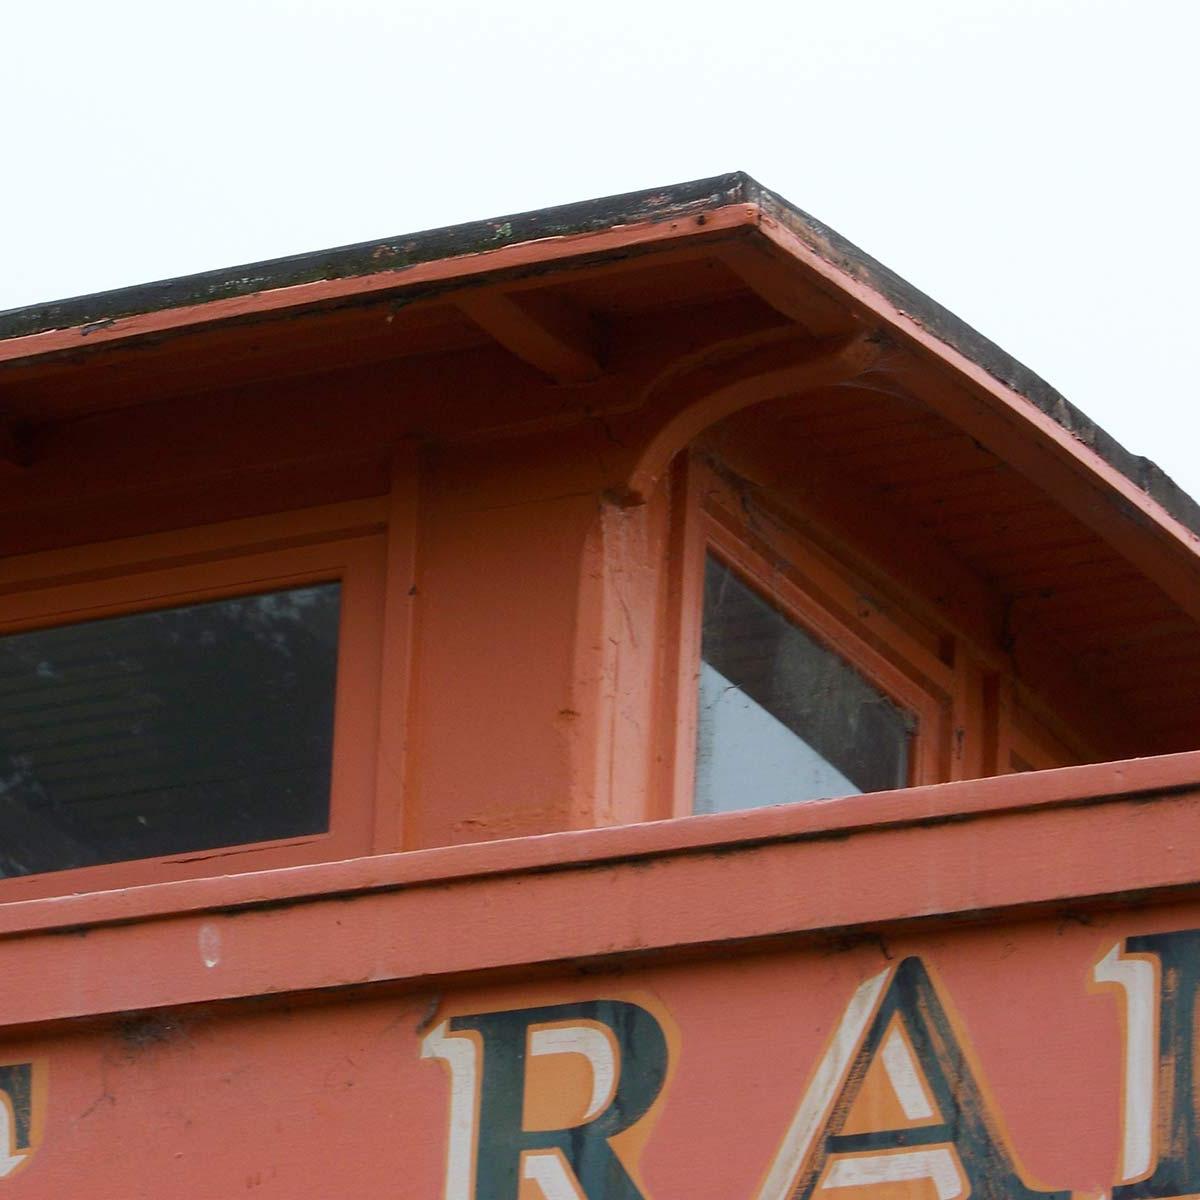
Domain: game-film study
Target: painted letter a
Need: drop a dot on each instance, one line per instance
(895, 1101)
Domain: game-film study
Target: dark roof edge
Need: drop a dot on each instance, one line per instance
(956, 333)
(385, 254)
(655, 204)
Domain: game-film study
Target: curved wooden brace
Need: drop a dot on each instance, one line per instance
(687, 404)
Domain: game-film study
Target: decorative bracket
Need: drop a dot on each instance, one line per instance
(732, 377)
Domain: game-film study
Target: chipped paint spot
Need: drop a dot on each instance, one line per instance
(210, 945)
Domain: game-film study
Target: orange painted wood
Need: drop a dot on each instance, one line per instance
(523, 254)
(678, 699)
(1014, 428)
(733, 379)
(400, 605)
(819, 313)
(897, 674)
(896, 858)
(322, 1099)
(343, 543)
(124, 557)
(523, 564)
(892, 610)
(925, 585)
(546, 633)
(554, 337)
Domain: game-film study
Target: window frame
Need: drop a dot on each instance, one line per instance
(345, 543)
(798, 577)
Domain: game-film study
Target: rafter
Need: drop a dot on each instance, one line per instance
(775, 281)
(557, 338)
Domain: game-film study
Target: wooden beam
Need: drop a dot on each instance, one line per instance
(773, 279)
(540, 254)
(547, 332)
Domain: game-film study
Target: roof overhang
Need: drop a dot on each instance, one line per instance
(496, 275)
(614, 227)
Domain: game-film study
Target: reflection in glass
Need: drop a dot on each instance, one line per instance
(782, 717)
(167, 732)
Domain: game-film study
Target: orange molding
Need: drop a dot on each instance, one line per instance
(1068, 838)
(444, 270)
(396, 650)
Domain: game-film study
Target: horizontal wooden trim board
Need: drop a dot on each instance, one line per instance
(1055, 838)
(442, 270)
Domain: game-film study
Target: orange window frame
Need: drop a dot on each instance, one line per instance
(820, 596)
(346, 543)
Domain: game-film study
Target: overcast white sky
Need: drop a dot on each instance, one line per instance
(1032, 164)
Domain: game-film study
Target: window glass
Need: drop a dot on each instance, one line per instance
(781, 716)
(167, 732)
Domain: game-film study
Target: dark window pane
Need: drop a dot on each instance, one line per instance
(167, 732)
(782, 717)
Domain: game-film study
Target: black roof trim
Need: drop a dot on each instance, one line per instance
(387, 254)
(655, 204)
(956, 333)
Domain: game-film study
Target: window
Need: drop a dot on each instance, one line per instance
(198, 703)
(781, 716)
(167, 731)
(800, 674)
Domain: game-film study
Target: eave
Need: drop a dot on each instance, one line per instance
(518, 285)
(545, 240)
